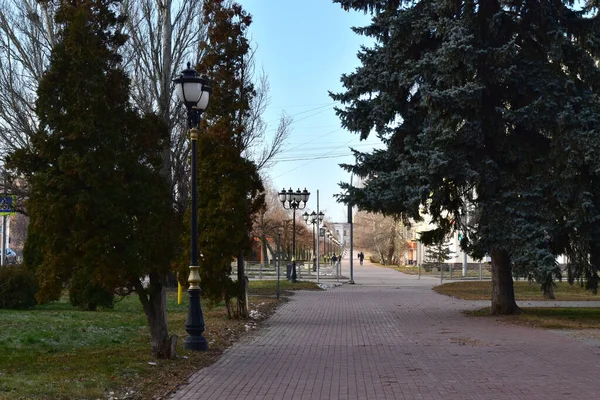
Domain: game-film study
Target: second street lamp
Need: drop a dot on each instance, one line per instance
(294, 201)
(194, 92)
(314, 221)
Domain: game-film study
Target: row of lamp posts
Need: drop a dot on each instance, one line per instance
(297, 201)
(315, 220)
(294, 201)
(332, 241)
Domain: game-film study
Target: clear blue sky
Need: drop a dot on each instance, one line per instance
(304, 47)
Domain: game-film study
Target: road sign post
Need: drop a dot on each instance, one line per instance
(6, 209)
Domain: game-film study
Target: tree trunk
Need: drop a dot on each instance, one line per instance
(270, 250)
(592, 276)
(503, 292)
(164, 100)
(154, 301)
(242, 289)
(548, 290)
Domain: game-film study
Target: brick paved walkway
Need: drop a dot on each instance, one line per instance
(391, 337)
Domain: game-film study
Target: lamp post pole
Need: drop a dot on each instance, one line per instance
(328, 234)
(325, 254)
(278, 260)
(314, 266)
(194, 92)
(325, 244)
(294, 201)
(294, 276)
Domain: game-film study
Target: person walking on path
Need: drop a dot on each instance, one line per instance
(361, 257)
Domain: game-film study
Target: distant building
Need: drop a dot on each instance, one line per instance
(341, 231)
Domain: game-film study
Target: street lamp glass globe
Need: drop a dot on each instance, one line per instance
(189, 87)
(297, 196)
(305, 216)
(204, 97)
(305, 195)
(321, 216)
(282, 195)
(290, 195)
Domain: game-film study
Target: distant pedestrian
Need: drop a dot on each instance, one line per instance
(361, 257)
(333, 259)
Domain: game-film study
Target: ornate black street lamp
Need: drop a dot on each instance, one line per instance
(315, 220)
(294, 201)
(194, 91)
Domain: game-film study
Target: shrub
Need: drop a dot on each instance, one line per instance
(18, 287)
(89, 295)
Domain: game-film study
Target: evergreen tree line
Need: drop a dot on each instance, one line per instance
(490, 106)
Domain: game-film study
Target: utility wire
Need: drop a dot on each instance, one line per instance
(306, 111)
(306, 163)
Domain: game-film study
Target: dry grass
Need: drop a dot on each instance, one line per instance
(546, 318)
(550, 318)
(57, 352)
(524, 291)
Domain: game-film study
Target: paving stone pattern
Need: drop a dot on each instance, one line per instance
(395, 338)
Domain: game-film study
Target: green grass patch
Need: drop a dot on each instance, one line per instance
(524, 291)
(57, 352)
(269, 287)
(551, 318)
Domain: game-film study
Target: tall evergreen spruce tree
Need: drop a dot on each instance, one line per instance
(492, 104)
(98, 206)
(231, 191)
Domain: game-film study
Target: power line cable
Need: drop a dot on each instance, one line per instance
(306, 111)
(302, 165)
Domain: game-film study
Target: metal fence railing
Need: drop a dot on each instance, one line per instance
(304, 270)
(451, 271)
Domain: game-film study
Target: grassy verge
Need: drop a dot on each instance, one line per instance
(524, 291)
(269, 287)
(546, 317)
(57, 352)
(551, 318)
(457, 271)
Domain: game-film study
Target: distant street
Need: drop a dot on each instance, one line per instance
(391, 337)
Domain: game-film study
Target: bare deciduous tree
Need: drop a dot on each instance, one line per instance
(381, 236)
(26, 38)
(27, 35)
(164, 36)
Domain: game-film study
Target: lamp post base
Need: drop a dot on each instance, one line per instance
(196, 343)
(351, 282)
(194, 325)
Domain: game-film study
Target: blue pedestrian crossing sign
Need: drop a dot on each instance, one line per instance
(7, 205)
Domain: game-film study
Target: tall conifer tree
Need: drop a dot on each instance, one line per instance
(488, 103)
(231, 189)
